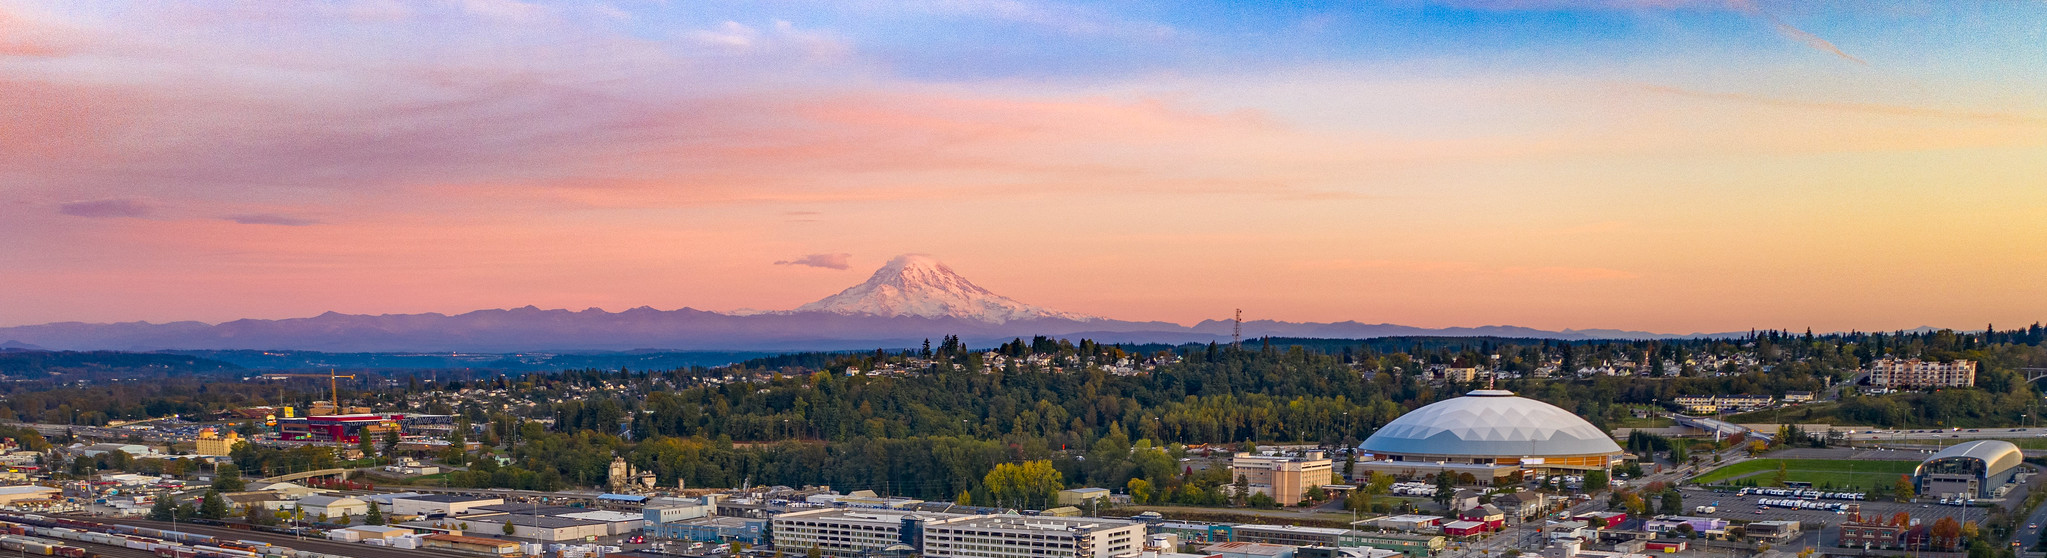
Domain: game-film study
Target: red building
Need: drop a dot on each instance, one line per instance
(1613, 519)
(1664, 546)
(337, 428)
(1489, 515)
(1464, 528)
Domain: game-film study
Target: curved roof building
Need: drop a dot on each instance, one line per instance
(1494, 428)
(1969, 469)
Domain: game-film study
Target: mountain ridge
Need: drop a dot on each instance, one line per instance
(531, 328)
(912, 298)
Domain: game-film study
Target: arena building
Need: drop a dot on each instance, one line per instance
(1490, 434)
(1969, 470)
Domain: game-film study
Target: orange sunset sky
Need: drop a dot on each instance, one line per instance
(1671, 166)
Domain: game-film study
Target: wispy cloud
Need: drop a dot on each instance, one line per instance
(1546, 273)
(828, 261)
(1859, 108)
(1791, 32)
(107, 209)
(1746, 7)
(271, 219)
(1062, 17)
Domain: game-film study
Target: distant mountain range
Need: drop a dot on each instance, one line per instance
(910, 299)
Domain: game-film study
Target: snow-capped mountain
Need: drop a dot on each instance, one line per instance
(921, 286)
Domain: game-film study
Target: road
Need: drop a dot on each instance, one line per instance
(2029, 533)
(1946, 435)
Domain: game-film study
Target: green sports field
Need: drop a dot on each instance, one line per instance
(1837, 473)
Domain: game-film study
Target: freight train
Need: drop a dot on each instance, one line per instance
(31, 534)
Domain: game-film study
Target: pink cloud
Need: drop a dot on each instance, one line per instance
(839, 261)
(123, 208)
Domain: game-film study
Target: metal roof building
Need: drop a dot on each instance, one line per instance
(1969, 470)
(1493, 430)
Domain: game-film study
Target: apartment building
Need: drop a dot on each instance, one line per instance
(1915, 373)
(1285, 478)
(1009, 536)
(1710, 404)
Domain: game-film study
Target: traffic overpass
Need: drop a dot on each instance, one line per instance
(1721, 427)
(343, 473)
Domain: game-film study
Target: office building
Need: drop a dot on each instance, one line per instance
(1287, 479)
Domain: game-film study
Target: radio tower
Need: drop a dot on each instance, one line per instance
(1237, 331)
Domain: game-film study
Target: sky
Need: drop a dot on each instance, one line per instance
(1658, 165)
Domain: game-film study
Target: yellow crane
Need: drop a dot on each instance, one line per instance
(333, 383)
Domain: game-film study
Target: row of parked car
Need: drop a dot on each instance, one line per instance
(1803, 493)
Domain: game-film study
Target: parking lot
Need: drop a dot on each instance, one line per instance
(1744, 509)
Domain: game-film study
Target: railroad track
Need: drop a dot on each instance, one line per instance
(356, 550)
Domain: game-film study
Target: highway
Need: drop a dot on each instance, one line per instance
(1944, 435)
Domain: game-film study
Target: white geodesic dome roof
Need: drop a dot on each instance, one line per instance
(1490, 423)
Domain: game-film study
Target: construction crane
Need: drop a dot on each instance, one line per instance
(333, 383)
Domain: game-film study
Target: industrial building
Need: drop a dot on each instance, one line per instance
(1490, 434)
(844, 533)
(332, 508)
(470, 545)
(1294, 535)
(708, 529)
(26, 493)
(440, 504)
(1978, 469)
(1248, 550)
(1198, 532)
(1413, 545)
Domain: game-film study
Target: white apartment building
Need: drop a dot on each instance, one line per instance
(1009, 536)
(1915, 373)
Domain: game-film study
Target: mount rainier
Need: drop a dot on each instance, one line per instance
(912, 298)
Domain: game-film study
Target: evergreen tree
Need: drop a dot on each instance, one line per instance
(228, 478)
(1446, 488)
(212, 506)
(375, 515)
(163, 510)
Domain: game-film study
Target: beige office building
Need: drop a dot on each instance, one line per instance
(1285, 478)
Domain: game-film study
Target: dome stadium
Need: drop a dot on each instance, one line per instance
(1489, 432)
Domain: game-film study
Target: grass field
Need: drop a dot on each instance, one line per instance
(2027, 443)
(1650, 422)
(1837, 473)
